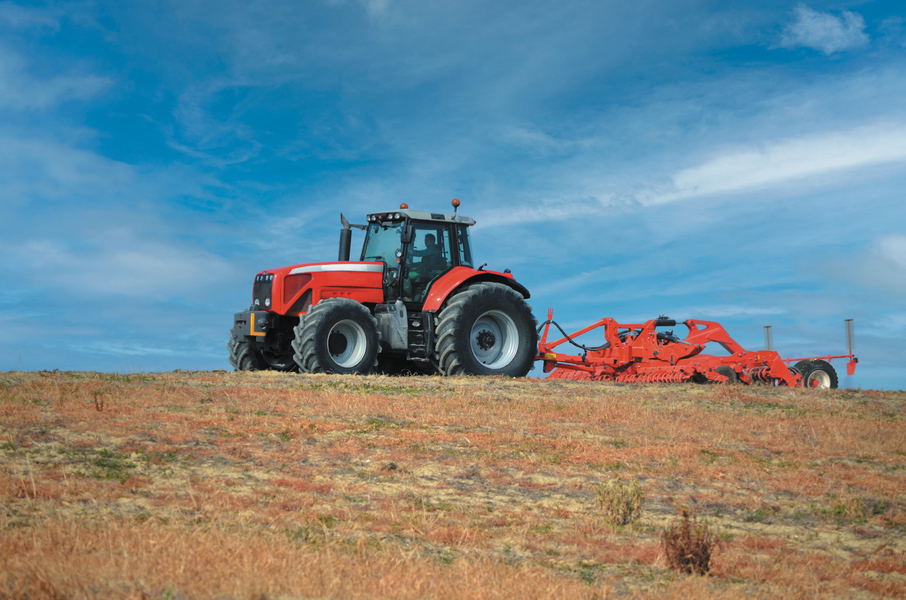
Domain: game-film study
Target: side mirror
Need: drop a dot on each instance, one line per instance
(408, 234)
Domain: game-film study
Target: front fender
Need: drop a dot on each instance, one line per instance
(457, 277)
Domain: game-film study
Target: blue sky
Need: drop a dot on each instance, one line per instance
(737, 161)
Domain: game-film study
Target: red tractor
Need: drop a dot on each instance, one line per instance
(414, 301)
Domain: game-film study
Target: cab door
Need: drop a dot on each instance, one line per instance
(428, 256)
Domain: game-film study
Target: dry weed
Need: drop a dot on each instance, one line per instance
(620, 501)
(688, 545)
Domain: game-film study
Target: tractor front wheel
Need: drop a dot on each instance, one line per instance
(242, 356)
(817, 374)
(337, 335)
(486, 329)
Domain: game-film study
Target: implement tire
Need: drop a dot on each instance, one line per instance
(728, 372)
(337, 335)
(817, 374)
(242, 356)
(486, 329)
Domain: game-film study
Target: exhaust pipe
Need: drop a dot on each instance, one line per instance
(345, 239)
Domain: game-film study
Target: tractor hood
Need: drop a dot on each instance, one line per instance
(293, 290)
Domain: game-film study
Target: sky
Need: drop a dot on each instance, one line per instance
(743, 162)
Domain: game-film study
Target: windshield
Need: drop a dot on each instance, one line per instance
(382, 243)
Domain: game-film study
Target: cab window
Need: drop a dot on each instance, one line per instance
(465, 247)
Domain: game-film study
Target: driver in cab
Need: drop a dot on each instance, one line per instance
(431, 264)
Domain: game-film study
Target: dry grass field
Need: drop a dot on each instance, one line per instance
(263, 485)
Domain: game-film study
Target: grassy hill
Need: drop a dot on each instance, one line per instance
(265, 485)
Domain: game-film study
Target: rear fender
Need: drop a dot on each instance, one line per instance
(452, 280)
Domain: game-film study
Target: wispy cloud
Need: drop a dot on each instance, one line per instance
(55, 173)
(120, 263)
(883, 267)
(21, 16)
(375, 7)
(782, 161)
(808, 161)
(25, 92)
(824, 32)
(543, 143)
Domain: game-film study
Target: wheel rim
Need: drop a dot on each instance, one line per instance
(818, 380)
(494, 339)
(346, 343)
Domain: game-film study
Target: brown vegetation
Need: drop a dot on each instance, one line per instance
(689, 545)
(264, 485)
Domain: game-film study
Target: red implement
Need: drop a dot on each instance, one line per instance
(638, 352)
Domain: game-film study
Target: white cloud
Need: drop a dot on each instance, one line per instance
(786, 160)
(883, 267)
(542, 143)
(20, 16)
(539, 212)
(33, 170)
(893, 248)
(122, 263)
(824, 32)
(375, 7)
(23, 92)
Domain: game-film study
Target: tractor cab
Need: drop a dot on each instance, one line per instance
(416, 248)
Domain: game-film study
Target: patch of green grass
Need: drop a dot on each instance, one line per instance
(756, 516)
(426, 504)
(104, 464)
(125, 377)
(856, 511)
(708, 457)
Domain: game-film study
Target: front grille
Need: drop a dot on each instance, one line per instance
(261, 291)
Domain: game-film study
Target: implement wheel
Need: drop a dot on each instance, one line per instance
(817, 374)
(337, 335)
(242, 356)
(728, 372)
(486, 329)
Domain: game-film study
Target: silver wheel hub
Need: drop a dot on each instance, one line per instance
(494, 339)
(818, 380)
(346, 343)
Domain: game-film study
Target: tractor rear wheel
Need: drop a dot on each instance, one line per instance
(817, 374)
(337, 335)
(486, 329)
(242, 356)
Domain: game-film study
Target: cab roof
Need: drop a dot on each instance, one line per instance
(419, 215)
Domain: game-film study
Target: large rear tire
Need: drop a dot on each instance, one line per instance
(337, 335)
(242, 356)
(486, 329)
(817, 374)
